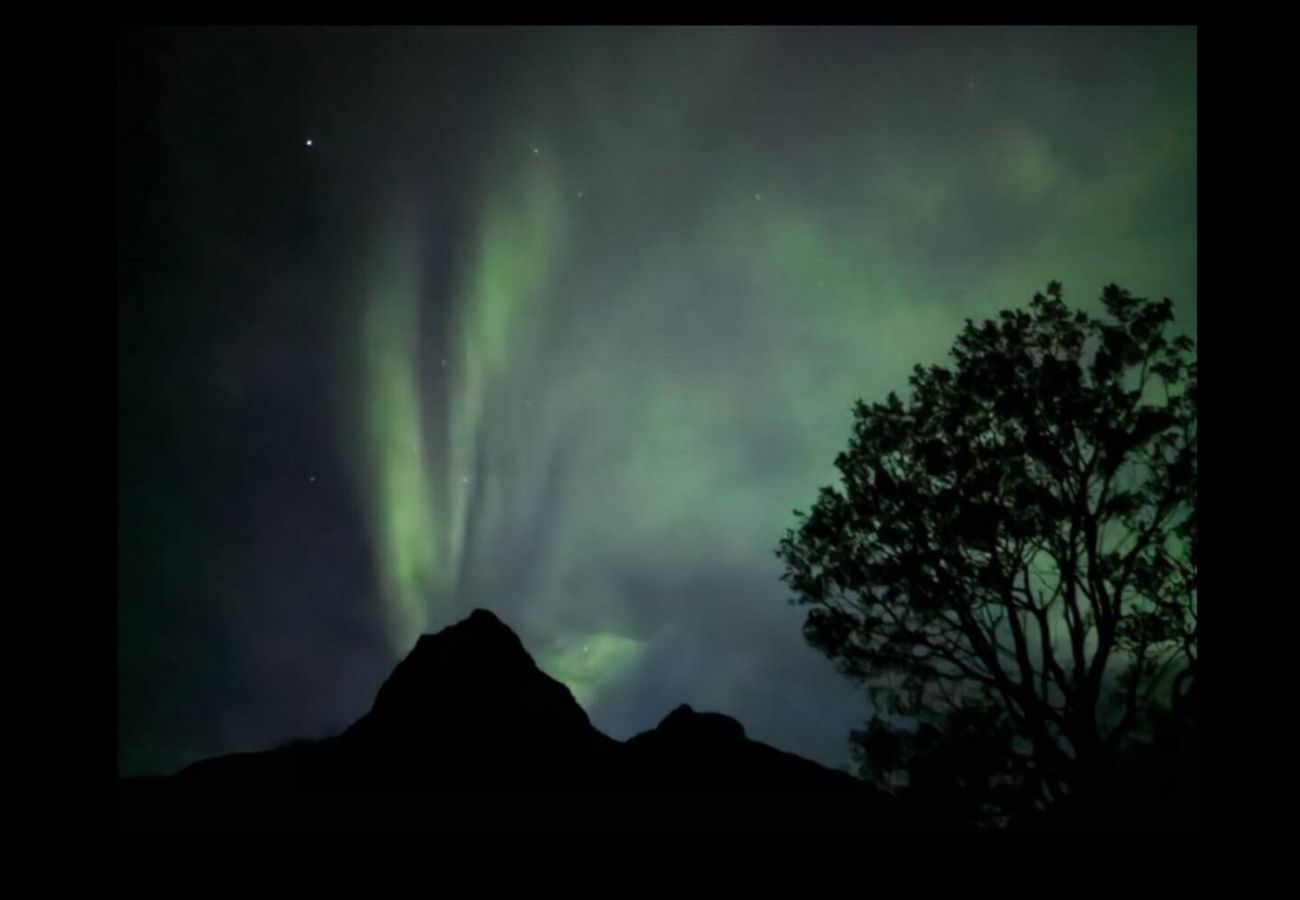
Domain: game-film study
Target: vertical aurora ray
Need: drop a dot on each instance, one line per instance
(426, 480)
(499, 304)
(398, 484)
(506, 297)
(423, 494)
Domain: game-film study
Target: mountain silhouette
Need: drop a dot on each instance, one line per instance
(467, 718)
(467, 707)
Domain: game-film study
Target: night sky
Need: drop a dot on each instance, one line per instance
(565, 323)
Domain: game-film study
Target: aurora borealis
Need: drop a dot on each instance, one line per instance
(564, 323)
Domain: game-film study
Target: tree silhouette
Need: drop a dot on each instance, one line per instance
(1010, 563)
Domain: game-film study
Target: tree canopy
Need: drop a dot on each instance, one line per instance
(1009, 563)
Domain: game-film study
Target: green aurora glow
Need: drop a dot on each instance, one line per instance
(680, 287)
(659, 264)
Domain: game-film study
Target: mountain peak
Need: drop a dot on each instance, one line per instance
(712, 725)
(474, 673)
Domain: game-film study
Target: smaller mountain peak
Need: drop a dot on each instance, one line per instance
(714, 725)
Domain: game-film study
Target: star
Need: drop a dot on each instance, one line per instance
(758, 196)
(308, 142)
(312, 479)
(536, 151)
(464, 480)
